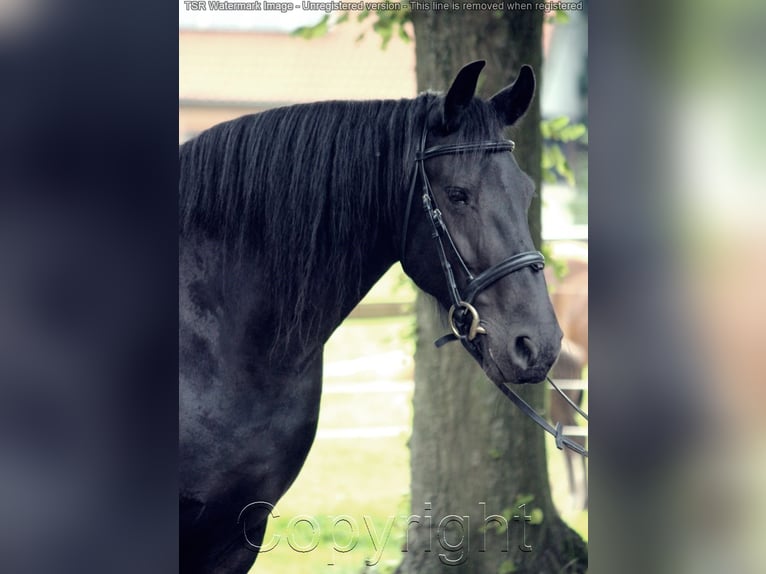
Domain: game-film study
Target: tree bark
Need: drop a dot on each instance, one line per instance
(474, 455)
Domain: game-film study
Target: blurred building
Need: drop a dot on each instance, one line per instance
(233, 63)
(225, 73)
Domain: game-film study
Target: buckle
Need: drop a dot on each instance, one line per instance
(473, 329)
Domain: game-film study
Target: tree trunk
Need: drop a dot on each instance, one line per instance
(474, 455)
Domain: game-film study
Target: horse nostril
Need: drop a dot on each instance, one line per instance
(524, 352)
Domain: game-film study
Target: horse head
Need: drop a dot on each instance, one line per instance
(473, 250)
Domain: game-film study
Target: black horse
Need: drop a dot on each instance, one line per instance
(287, 219)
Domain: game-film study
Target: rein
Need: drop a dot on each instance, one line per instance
(463, 317)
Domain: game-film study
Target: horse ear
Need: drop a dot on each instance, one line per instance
(460, 94)
(512, 101)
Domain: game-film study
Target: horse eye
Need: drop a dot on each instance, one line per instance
(457, 195)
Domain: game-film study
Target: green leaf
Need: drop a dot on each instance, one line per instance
(554, 163)
(568, 174)
(385, 30)
(547, 158)
(559, 266)
(557, 155)
(523, 499)
(559, 129)
(545, 130)
(557, 17)
(315, 31)
(558, 123)
(386, 23)
(572, 132)
(536, 516)
(506, 567)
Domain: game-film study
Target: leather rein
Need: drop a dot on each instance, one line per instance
(463, 317)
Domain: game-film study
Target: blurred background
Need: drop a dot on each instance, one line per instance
(677, 263)
(233, 63)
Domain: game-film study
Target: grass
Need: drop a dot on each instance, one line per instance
(364, 486)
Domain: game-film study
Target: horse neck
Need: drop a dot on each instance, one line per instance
(377, 258)
(247, 298)
(376, 262)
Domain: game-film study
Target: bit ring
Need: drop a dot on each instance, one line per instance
(474, 329)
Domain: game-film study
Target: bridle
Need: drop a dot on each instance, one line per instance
(463, 317)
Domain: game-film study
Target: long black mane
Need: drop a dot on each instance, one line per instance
(305, 190)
